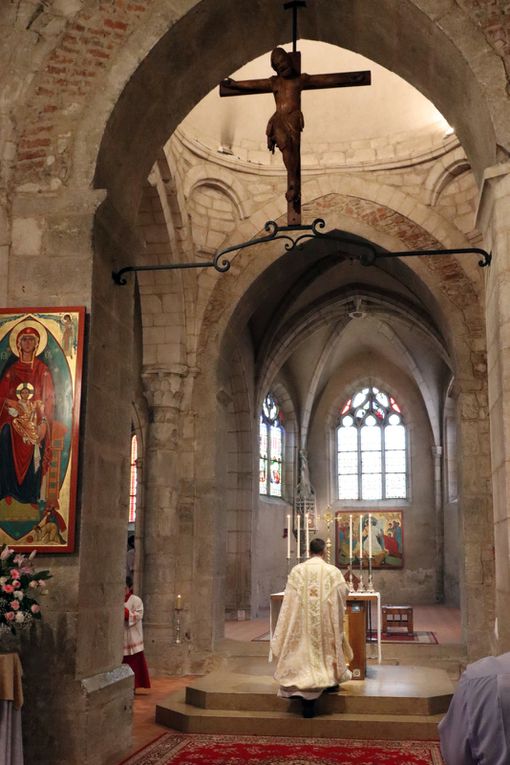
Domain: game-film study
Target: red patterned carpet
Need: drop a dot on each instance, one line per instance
(182, 749)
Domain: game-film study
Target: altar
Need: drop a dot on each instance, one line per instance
(359, 620)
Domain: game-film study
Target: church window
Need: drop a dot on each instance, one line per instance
(371, 448)
(133, 478)
(271, 438)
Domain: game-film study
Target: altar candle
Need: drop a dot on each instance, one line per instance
(307, 535)
(370, 535)
(350, 538)
(360, 539)
(298, 547)
(288, 537)
(178, 603)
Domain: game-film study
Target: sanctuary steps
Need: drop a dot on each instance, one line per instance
(392, 703)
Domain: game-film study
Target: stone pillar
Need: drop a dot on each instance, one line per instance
(77, 689)
(168, 533)
(437, 453)
(494, 221)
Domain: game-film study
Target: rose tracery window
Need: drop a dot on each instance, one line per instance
(271, 438)
(371, 448)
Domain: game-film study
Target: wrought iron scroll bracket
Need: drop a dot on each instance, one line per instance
(294, 237)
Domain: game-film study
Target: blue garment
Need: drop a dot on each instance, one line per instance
(476, 729)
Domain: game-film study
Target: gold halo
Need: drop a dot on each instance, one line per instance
(13, 337)
(26, 385)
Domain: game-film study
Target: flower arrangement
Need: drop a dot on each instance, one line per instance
(19, 583)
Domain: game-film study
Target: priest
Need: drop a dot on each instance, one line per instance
(309, 645)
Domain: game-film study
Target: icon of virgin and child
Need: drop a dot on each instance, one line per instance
(32, 437)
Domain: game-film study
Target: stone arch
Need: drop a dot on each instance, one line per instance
(426, 53)
(226, 182)
(442, 174)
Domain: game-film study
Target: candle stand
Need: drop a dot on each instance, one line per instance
(361, 584)
(177, 625)
(370, 585)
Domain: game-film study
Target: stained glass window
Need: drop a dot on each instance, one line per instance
(371, 447)
(133, 478)
(271, 440)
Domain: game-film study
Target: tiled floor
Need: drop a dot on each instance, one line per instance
(144, 727)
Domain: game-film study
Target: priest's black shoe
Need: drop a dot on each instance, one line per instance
(332, 689)
(308, 707)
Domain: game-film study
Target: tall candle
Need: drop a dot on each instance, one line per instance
(178, 603)
(370, 535)
(307, 535)
(288, 537)
(350, 538)
(360, 539)
(298, 550)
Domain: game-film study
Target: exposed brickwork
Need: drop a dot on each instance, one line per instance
(493, 18)
(86, 50)
(71, 73)
(453, 281)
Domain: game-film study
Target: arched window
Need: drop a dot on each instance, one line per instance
(371, 448)
(133, 478)
(271, 437)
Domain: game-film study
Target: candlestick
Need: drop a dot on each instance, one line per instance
(350, 538)
(307, 534)
(361, 586)
(177, 625)
(298, 550)
(288, 537)
(178, 603)
(370, 535)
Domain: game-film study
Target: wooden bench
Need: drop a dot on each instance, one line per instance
(397, 616)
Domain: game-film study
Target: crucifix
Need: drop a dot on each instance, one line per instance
(284, 131)
(285, 126)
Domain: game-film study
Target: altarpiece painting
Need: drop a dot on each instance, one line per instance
(382, 533)
(40, 384)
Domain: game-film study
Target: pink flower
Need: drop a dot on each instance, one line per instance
(8, 588)
(33, 584)
(18, 560)
(10, 615)
(42, 583)
(6, 552)
(35, 609)
(16, 584)
(15, 605)
(15, 574)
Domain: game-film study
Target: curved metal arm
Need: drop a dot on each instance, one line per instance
(369, 254)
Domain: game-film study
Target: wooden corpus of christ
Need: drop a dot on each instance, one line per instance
(285, 126)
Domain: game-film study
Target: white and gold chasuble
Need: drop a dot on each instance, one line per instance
(307, 641)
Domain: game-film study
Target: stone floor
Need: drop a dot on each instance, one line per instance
(442, 620)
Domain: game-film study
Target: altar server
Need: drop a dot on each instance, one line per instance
(476, 728)
(308, 642)
(133, 637)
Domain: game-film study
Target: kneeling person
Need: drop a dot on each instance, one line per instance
(308, 641)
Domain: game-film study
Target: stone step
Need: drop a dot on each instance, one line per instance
(392, 703)
(175, 713)
(386, 690)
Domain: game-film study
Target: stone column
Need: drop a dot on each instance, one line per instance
(437, 453)
(168, 534)
(494, 221)
(76, 685)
